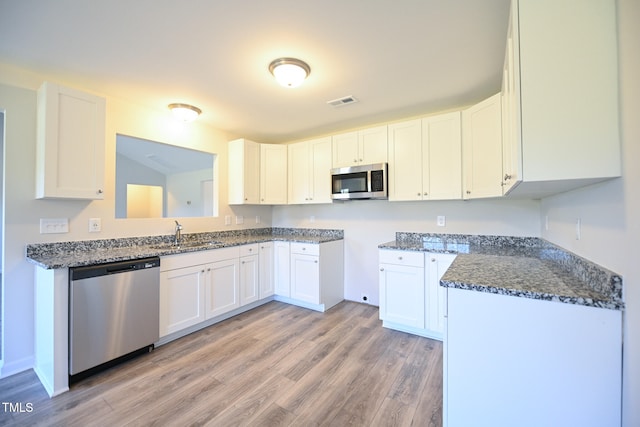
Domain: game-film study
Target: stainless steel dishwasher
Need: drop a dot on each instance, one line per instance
(114, 312)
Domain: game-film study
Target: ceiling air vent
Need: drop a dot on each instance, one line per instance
(345, 100)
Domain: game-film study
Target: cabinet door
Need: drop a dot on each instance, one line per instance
(405, 161)
(372, 145)
(273, 174)
(70, 144)
(281, 269)
(437, 265)
(298, 173)
(320, 167)
(511, 134)
(305, 278)
(249, 279)
(181, 298)
(244, 172)
(482, 149)
(223, 287)
(345, 149)
(402, 296)
(266, 268)
(442, 157)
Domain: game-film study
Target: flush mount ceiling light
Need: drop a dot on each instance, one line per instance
(185, 112)
(289, 72)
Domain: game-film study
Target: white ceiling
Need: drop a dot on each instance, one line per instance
(398, 58)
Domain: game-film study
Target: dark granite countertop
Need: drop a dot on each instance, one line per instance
(523, 267)
(91, 252)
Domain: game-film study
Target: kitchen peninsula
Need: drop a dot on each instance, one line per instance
(529, 328)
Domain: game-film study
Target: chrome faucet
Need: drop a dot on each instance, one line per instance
(178, 236)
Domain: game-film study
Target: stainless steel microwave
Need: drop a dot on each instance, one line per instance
(359, 182)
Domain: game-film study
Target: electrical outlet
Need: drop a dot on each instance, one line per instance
(312, 218)
(239, 219)
(441, 221)
(546, 222)
(257, 219)
(95, 225)
(364, 298)
(227, 220)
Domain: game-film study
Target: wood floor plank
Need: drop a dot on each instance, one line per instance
(276, 365)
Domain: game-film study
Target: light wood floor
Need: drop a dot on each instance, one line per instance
(277, 365)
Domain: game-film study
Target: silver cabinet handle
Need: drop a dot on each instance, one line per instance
(381, 269)
(468, 192)
(100, 191)
(315, 261)
(400, 258)
(433, 260)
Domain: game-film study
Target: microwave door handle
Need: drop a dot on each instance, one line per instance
(369, 181)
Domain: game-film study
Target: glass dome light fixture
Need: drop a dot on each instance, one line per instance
(289, 72)
(185, 112)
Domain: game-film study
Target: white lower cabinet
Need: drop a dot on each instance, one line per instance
(512, 361)
(315, 275)
(266, 269)
(305, 273)
(249, 274)
(281, 269)
(197, 286)
(411, 298)
(181, 298)
(222, 287)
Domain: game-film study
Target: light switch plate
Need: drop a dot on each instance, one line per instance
(441, 221)
(54, 225)
(239, 219)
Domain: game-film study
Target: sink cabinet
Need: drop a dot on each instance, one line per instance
(198, 286)
(181, 298)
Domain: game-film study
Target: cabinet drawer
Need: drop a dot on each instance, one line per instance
(305, 248)
(411, 258)
(247, 250)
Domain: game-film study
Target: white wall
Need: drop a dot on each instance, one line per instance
(368, 223)
(22, 211)
(610, 212)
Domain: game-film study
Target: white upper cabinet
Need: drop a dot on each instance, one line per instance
(405, 161)
(424, 158)
(71, 144)
(244, 172)
(273, 174)
(562, 96)
(442, 157)
(362, 147)
(482, 149)
(309, 172)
